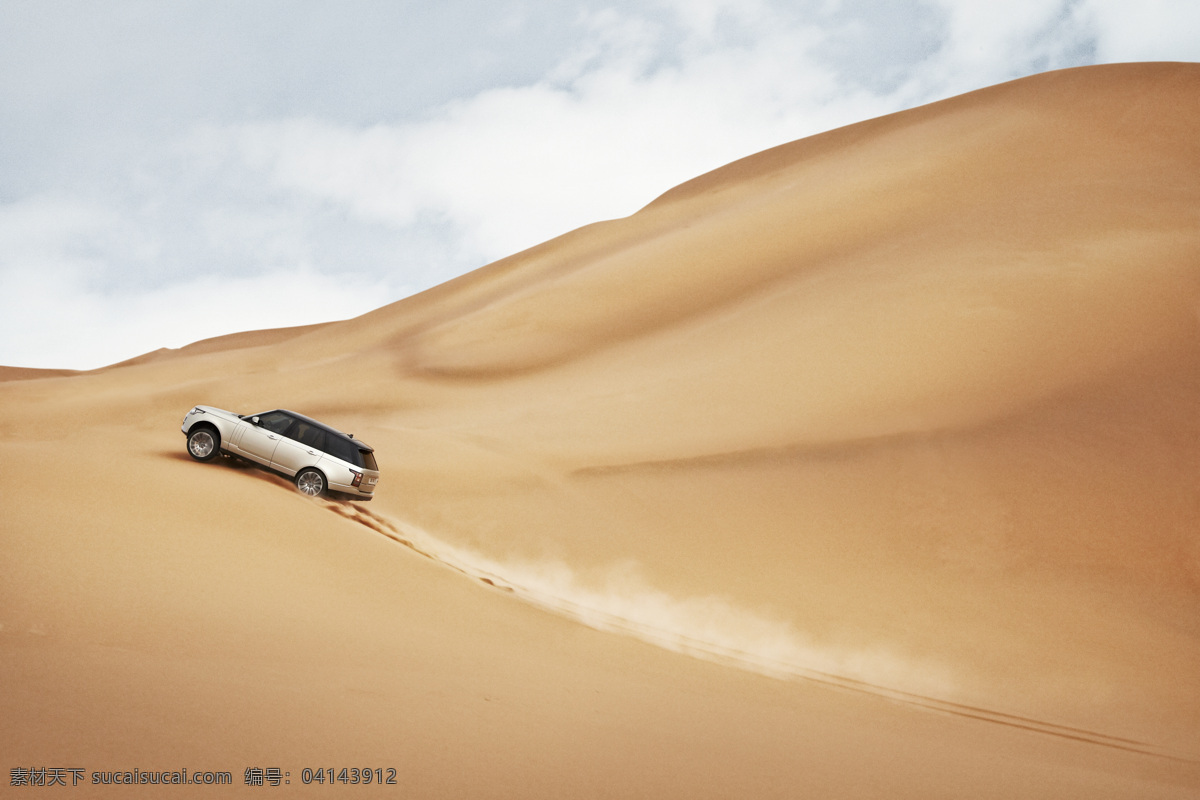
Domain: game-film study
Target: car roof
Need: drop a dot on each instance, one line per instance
(328, 429)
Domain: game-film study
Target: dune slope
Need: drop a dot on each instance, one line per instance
(868, 465)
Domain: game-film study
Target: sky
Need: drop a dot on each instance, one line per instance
(172, 171)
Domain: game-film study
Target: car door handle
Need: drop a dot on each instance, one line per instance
(312, 452)
(269, 436)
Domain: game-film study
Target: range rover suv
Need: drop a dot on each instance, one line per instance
(319, 458)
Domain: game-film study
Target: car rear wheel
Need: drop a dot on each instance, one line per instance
(203, 443)
(310, 482)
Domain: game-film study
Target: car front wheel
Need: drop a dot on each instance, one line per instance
(310, 482)
(203, 443)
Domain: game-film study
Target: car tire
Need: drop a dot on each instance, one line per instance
(203, 443)
(310, 482)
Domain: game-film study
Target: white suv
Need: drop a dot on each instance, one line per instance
(319, 458)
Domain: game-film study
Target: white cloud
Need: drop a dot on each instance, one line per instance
(57, 311)
(1147, 30)
(643, 98)
(54, 317)
(509, 168)
(704, 18)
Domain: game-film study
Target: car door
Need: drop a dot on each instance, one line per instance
(300, 447)
(259, 441)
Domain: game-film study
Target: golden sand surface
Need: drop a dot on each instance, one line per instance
(867, 466)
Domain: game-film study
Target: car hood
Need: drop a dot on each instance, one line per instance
(219, 412)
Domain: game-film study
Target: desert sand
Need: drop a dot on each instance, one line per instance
(867, 466)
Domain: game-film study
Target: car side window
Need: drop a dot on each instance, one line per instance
(310, 435)
(343, 449)
(275, 421)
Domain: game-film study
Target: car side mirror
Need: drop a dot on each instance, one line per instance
(254, 420)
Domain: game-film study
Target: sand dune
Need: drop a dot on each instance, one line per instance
(868, 466)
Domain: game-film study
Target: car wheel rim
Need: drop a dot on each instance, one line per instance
(202, 444)
(310, 484)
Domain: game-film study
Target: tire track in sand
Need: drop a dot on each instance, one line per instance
(477, 568)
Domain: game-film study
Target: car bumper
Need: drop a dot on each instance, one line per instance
(352, 491)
